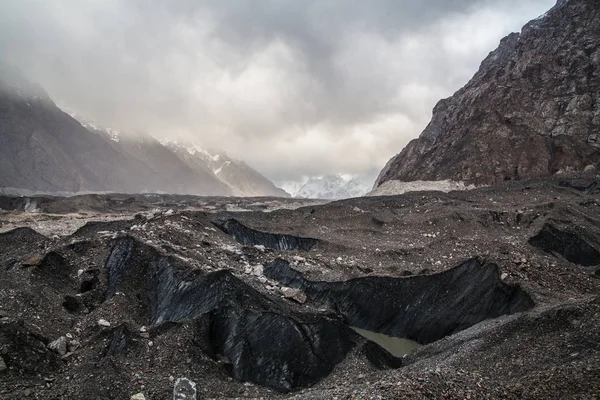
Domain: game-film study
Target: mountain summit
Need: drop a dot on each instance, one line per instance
(532, 109)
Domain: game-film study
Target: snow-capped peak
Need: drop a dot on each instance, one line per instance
(338, 186)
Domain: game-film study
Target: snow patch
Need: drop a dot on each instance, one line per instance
(339, 186)
(394, 187)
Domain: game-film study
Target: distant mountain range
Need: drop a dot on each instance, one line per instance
(334, 187)
(43, 149)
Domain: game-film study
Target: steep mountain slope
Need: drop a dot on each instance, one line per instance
(44, 149)
(334, 187)
(170, 173)
(242, 179)
(532, 109)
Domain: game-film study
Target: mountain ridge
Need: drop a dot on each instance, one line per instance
(531, 110)
(45, 150)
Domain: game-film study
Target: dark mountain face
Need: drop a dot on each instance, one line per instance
(532, 109)
(42, 148)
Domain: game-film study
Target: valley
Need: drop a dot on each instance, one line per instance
(145, 291)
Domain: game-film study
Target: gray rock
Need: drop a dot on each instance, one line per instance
(293, 294)
(73, 345)
(59, 346)
(3, 366)
(184, 389)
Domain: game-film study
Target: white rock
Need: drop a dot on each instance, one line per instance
(184, 389)
(103, 322)
(260, 247)
(138, 396)
(257, 270)
(169, 212)
(503, 276)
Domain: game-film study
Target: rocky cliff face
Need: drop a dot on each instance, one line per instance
(532, 109)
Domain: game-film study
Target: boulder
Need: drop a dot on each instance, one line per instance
(293, 294)
(184, 389)
(59, 345)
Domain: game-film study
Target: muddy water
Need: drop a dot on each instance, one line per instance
(396, 346)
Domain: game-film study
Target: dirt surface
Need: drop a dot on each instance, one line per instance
(54, 283)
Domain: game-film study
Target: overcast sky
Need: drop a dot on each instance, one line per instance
(296, 88)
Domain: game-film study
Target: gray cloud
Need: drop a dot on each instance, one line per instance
(296, 88)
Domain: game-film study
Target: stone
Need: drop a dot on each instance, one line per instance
(3, 366)
(293, 294)
(104, 323)
(503, 276)
(138, 396)
(59, 345)
(184, 389)
(257, 270)
(73, 345)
